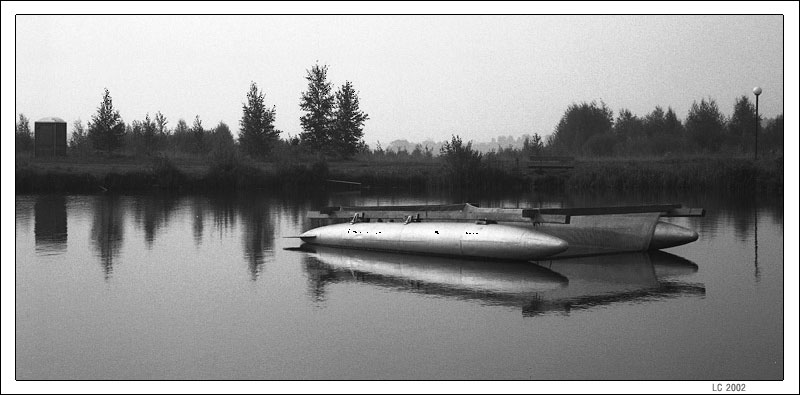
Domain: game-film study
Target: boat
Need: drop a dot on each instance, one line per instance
(467, 230)
(480, 239)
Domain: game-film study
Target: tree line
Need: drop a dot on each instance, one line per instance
(590, 129)
(332, 125)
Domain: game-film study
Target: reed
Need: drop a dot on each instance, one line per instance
(230, 172)
(698, 174)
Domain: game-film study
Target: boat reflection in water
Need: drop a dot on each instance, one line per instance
(560, 285)
(605, 279)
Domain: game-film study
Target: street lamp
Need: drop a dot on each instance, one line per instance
(757, 92)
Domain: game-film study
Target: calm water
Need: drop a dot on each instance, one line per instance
(204, 287)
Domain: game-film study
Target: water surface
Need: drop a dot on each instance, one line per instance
(207, 287)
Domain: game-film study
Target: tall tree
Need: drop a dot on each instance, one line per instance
(318, 103)
(198, 135)
(672, 125)
(579, 123)
(628, 127)
(348, 121)
(742, 125)
(257, 135)
(706, 125)
(106, 129)
(161, 124)
(654, 123)
(23, 139)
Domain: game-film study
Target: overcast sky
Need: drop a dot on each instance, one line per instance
(418, 77)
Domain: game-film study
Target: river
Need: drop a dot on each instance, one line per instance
(208, 287)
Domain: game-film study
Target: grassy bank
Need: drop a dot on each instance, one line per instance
(125, 174)
(685, 174)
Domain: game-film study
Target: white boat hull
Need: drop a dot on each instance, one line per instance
(440, 238)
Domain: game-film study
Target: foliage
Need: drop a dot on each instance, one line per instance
(220, 140)
(181, 137)
(318, 103)
(579, 123)
(257, 136)
(79, 141)
(23, 138)
(106, 129)
(742, 124)
(149, 134)
(166, 174)
(348, 122)
(772, 140)
(600, 144)
(198, 135)
(705, 125)
(161, 124)
(461, 163)
(534, 145)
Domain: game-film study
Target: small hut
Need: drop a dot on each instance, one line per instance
(50, 137)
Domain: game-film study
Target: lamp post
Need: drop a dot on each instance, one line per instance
(757, 92)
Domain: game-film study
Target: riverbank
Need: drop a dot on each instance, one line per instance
(89, 175)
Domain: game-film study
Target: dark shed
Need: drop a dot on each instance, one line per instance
(50, 137)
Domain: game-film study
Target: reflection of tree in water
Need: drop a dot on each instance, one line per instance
(223, 212)
(297, 210)
(152, 212)
(319, 276)
(107, 230)
(198, 219)
(258, 233)
(50, 227)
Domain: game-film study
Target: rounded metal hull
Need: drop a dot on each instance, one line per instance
(666, 235)
(440, 238)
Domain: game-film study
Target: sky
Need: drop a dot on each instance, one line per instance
(418, 77)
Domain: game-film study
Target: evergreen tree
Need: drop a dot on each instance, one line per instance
(534, 145)
(162, 132)
(257, 135)
(106, 129)
(318, 103)
(349, 121)
(198, 135)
